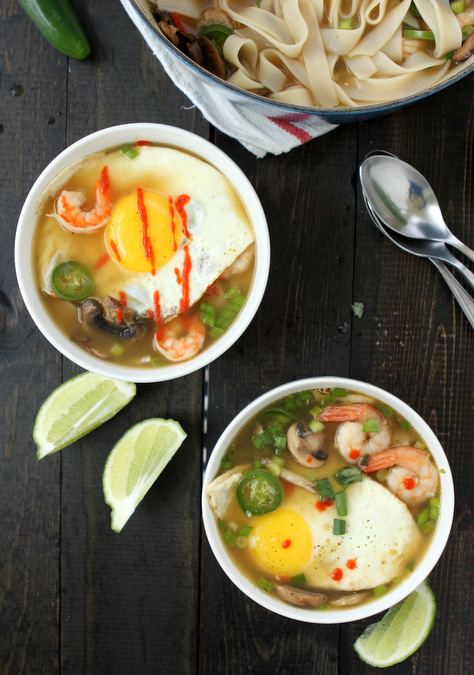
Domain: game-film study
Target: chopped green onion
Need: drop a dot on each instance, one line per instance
(458, 6)
(274, 468)
(298, 580)
(232, 292)
(418, 34)
(414, 10)
(257, 463)
(442, 471)
(315, 410)
(262, 440)
(339, 526)
(364, 460)
(279, 414)
(341, 503)
(427, 527)
(221, 524)
(379, 591)
(312, 475)
(265, 585)
(350, 474)
(420, 445)
(324, 606)
(371, 426)
(129, 152)
(208, 314)
(338, 391)
(233, 525)
(297, 400)
(434, 508)
(278, 460)
(241, 541)
(386, 410)
(410, 566)
(275, 430)
(328, 400)
(405, 425)
(422, 517)
(116, 349)
(381, 475)
(396, 580)
(280, 443)
(227, 315)
(244, 531)
(466, 32)
(216, 332)
(316, 425)
(230, 537)
(346, 24)
(325, 489)
(226, 464)
(449, 56)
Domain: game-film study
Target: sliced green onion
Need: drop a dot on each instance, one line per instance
(265, 585)
(208, 314)
(442, 471)
(338, 391)
(274, 468)
(241, 541)
(458, 6)
(315, 410)
(328, 400)
(325, 489)
(434, 508)
(341, 503)
(405, 425)
(410, 566)
(297, 400)
(386, 410)
(233, 525)
(350, 474)
(129, 152)
(226, 464)
(278, 460)
(298, 580)
(257, 463)
(418, 34)
(339, 526)
(275, 430)
(262, 440)
(230, 537)
(346, 24)
(279, 414)
(364, 460)
(311, 475)
(420, 445)
(414, 10)
(227, 315)
(381, 475)
(449, 56)
(244, 531)
(422, 517)
(396, 580)
(221, 524)
(217, 332)
(280, 443)
(379, 591)
(427, 527)
(316, 425)
(116, 349)
(466, 32)
(371, 426)
(231, 452)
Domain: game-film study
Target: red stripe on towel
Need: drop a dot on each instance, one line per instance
(300, 134)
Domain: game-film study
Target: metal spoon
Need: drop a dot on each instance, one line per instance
(463, 298)
(404, 200)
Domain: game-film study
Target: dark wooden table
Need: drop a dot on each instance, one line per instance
(74, 596)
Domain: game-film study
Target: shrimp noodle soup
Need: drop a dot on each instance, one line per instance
(327, 499)
(144, 254)
(323, 53)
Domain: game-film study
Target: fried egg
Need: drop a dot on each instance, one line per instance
(176, 225)
(381, 537)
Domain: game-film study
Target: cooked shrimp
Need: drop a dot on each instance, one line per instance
(171, 342)
(351, 439)
(240, 264)
(70, 214)
(413, 476)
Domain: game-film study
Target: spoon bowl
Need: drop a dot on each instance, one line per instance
(404, 200)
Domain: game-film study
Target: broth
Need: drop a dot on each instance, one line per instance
(340, 535)
(171, 260)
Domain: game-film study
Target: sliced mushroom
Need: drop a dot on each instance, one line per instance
(293, 477)
(212, 16)
(465, 50)
(212, 59)
(300, 597)
(349, 600)
(107, 317)
(170, 31)
(305, 445)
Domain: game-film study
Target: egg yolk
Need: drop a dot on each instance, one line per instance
(282, 542)
(129, 239)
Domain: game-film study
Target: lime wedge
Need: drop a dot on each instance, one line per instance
(135, 462)
(76, 407)
(401, 631)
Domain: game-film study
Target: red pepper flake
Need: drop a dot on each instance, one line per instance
(309, 459)
(336, 574)
(157, 306)
(178, 275)
(180, 202)
(122, 298)
(146, 241)
(115, 250)
(286, 543)
(101, 261)
(351, 564)
(323, 504)
(172, 223)
(177, 21)
(354, 454)
(187, 264)
(408, 483)
(140, 143)
(119, 314)
(150, 314)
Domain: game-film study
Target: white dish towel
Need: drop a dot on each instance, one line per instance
(258, 132)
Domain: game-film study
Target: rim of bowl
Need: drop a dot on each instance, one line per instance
(105, 139)
(420, 573)
(385, 106)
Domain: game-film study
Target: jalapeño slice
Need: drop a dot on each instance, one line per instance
(72, 281)
(259, 492)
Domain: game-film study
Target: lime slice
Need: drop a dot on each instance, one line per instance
(135, 462)
(76, 407)
(401, 631)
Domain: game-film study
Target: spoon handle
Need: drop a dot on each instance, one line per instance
(468, 252)
(464, 270)
(464, 299)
